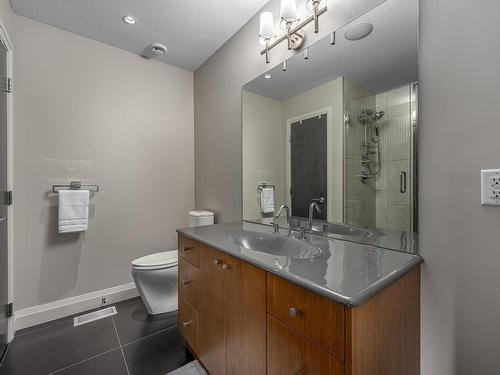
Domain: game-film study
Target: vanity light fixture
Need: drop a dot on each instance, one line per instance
(129, 20)
(332, 38)
(290, 22)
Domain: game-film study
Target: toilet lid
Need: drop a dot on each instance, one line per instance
(201, 213)
(165, 258)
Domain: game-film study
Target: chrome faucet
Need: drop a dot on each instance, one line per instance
(288, 219)
(313, 206)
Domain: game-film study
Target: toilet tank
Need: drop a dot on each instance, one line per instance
(200, 217)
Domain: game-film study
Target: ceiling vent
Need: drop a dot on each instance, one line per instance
(154, 50)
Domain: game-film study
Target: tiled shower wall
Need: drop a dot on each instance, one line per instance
(379, 202)
(393, 208)
(359, 198)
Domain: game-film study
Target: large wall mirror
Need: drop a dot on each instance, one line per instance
(336, 126)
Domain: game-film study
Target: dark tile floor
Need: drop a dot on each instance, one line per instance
(129, 343)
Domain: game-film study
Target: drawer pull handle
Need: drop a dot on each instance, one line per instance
(226, 266)
(187, 248)
(187, 324)
(292, 311)
(217, 262)
(185, 282)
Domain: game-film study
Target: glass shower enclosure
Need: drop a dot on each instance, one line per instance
(379, 157)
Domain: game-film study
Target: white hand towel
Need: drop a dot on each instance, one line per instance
(73, 210)
(267, 200)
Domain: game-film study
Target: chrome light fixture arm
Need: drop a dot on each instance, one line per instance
(267, 50)
(294, 35)
(289, 34)
(316, 15)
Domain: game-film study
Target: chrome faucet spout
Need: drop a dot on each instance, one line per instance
(288, 218)
(313, 206)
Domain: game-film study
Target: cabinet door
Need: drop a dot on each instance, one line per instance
(289, 353)
(318, 318)
(211, 339)
(188, 249)
(188, 282)
(188, 323)
(245, 318)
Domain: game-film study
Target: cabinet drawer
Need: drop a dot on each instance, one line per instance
(188, 282)
(318, 318)
(289, 353)
(188, 323)
(188, 249)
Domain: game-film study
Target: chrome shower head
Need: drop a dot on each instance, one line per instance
(379, 115)
(368, 116)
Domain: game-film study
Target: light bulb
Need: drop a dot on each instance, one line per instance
(288, 10)
(266, 27)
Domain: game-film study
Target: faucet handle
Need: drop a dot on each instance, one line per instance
(276, 227)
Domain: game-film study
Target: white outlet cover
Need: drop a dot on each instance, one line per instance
(490, 187)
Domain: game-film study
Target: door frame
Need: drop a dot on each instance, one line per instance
(328, 111)
(7, 43)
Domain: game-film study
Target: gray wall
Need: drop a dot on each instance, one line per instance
(6, 15)
(460, 79)
(88, 111)
(460, 129)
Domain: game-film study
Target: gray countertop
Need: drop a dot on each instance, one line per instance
(346, 272)
(378, 237)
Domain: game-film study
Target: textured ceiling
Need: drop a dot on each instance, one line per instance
(192, 30)
(385, 59)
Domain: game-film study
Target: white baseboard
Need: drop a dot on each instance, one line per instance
(32, 316)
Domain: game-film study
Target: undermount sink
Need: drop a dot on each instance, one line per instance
(345, 230)
(340, 229)
(276, 244)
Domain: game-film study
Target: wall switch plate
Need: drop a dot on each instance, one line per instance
(490, 187)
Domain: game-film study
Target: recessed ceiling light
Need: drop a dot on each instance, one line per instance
(359, 31)
(267, 76)
(129, 20)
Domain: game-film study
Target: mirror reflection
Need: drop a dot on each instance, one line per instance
(331, 132)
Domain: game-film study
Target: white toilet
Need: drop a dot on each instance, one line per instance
(155, 275)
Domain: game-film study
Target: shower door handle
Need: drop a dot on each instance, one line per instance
(402, 182)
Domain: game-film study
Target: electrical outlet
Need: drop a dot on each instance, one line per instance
(490, 187)
(103, 301)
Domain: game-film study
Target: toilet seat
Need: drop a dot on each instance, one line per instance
(157, 261)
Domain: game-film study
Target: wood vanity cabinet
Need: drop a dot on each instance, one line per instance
(188, 249)
(241, 320)
(288, 353)
(317, 318)
(230, 302)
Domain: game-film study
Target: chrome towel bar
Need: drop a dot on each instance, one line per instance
(75, 185)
